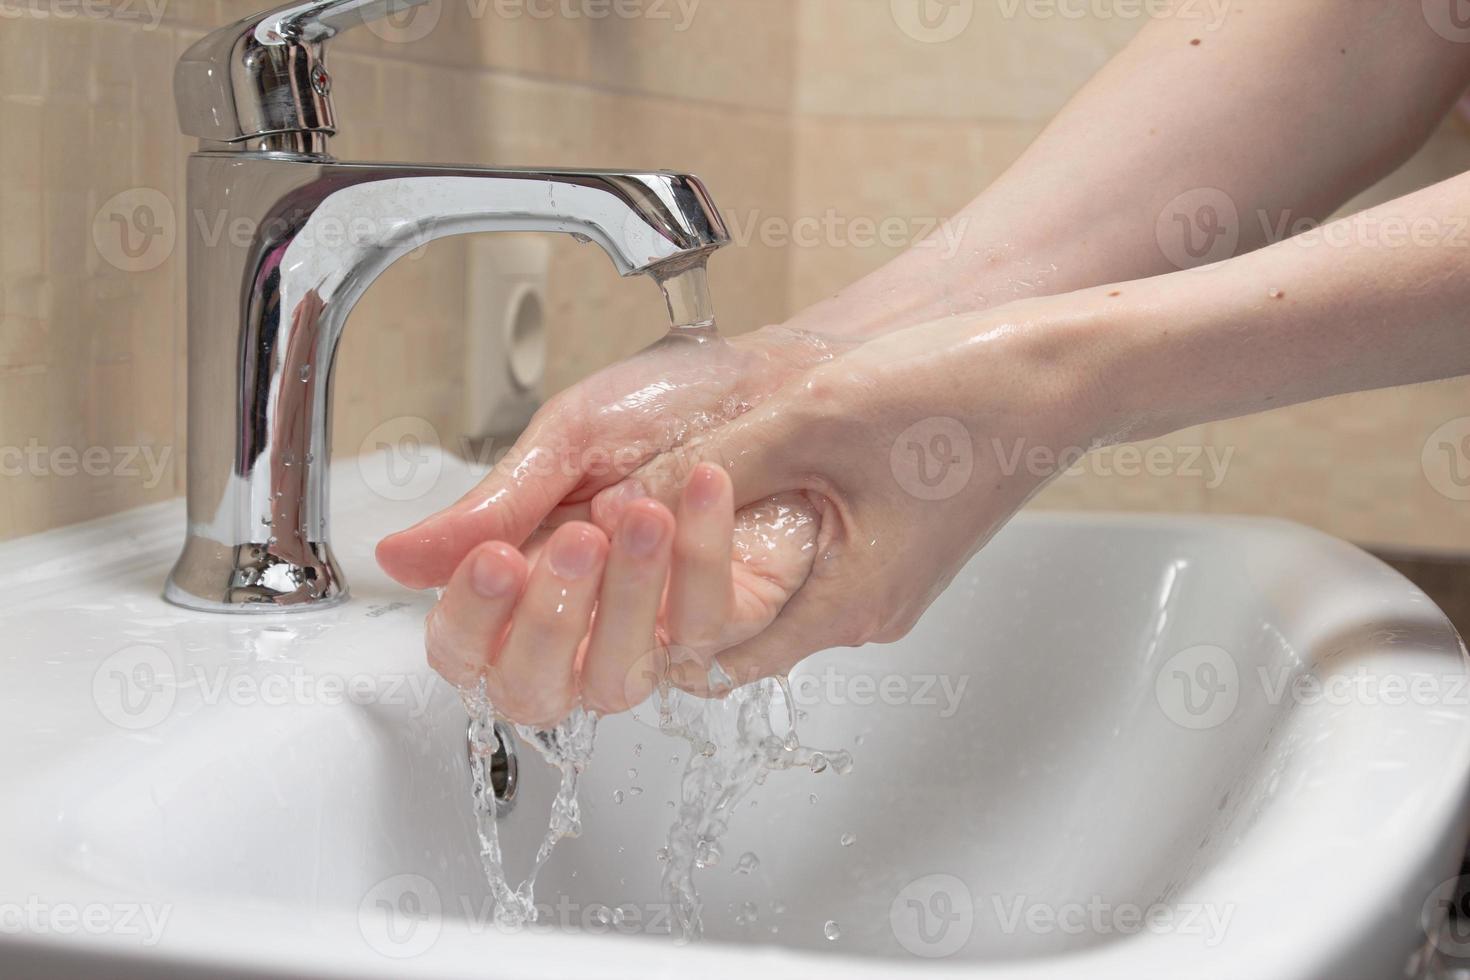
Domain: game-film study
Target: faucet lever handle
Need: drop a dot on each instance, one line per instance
(262, 82)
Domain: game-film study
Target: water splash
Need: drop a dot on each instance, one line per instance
(567, 747)
(734, 744)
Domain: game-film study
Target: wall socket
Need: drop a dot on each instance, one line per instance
(505, 332)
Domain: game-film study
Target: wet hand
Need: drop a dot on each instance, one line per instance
(909, 443)
(594, 434)
(600, 618)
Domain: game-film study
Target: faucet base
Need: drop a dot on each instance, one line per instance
(213, 577)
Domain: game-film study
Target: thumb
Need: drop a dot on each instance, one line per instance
(507, 505)
(756, 449)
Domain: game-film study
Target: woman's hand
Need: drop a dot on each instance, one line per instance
(918, 445)
(592, 435)
(583, 617)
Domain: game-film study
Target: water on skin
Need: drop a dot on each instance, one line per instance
(735, 741)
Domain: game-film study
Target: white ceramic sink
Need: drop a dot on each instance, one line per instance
(1090, 722)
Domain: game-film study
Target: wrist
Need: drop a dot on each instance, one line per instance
(1137, 360)
(1079, 365)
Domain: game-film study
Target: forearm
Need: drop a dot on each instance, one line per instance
(1288, 109)
(1372, 301)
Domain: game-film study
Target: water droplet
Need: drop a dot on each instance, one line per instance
(635, 790)
(848, 840)
(706, 853)
(832, 931)
(812, 798)
(617, 796)
(632, 773)
(747, 864)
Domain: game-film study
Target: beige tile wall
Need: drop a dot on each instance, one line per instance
(790, 109)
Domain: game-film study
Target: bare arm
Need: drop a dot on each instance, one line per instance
(1374, 300)
(1288, 109)
(1291, 104)
(1371, 301)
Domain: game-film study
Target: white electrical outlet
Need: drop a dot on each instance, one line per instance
(505, 324)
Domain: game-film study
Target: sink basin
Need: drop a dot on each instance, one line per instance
(1116, 747)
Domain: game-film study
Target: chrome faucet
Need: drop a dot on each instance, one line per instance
(283, 241)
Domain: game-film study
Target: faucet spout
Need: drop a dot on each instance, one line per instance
(267, 310)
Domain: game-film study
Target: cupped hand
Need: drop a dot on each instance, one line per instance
(597, 619)
(595, 433)
(919, 446)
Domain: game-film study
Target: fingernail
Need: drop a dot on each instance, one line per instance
(704, 487)
(490, 577)
(573, 553)
(620, 496)
(642, 533)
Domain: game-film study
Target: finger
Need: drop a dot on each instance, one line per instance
(533, 680)
(803, 628)
(468, 623)
(701, 591)
(756, 450)
(507, 505)
(624, 662)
